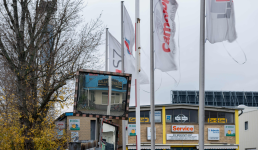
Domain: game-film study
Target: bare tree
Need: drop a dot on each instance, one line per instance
(42, 48)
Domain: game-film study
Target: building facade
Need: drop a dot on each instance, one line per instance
(248, 130)
(177, 127)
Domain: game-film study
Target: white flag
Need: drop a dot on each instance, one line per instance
(129, 59)
(220, 21)
(115, 60)
(165, 28)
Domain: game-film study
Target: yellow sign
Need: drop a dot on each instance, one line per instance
(217, 120)
(143, 119)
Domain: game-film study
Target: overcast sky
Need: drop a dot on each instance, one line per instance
(222, 72)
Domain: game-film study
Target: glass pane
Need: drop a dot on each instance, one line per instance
(207, 113)
(157, 116)
(112, 99)
(104, 99)
(118, 98)
(177, 117)
(142, 113)
(213, 117)
(169, 115)
(194, 116)
(147, 116)
(230, 117)
(222, 117)
(93, 94)
(185, 115)
(131, 117)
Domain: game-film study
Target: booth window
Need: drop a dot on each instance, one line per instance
(219, 117)
(104, 98)
(181, 115)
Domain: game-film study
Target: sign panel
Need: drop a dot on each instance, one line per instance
(182, 136)
(149, 133)
(60, 124)
(157, 117)
(143, 119)
(229, 130)
(132, 129)
(217, 120)
(177, 128)
(168, 118)
(213, 133)
(74, 136)
(115, 84)
(181, 118)
(74, 124)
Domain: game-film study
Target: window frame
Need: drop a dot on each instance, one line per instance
(217, 114)
(102, 98)
(246, 125)
(145, 112)
(114, 95)
(181, 109)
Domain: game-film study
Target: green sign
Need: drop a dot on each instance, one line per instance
(74, 124)
(229, 130)
(132, 129)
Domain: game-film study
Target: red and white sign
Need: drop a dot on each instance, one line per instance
(60, 124)
(178, 128)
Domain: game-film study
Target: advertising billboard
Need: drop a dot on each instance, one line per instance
(102, 94)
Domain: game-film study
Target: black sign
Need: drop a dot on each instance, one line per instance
(115, 83)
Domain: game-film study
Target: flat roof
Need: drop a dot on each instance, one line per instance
(189, 105)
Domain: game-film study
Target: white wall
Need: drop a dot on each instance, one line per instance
(248, 139)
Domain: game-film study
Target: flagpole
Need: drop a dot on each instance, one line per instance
(122, 68)
(137, 70)
(152, 102)
(202, 76)
(106, 59)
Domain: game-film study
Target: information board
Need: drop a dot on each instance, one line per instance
(182, 136)
(213, 133)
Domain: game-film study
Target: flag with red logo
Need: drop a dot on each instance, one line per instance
(115, 61)
(164, 32)
(220, 21)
